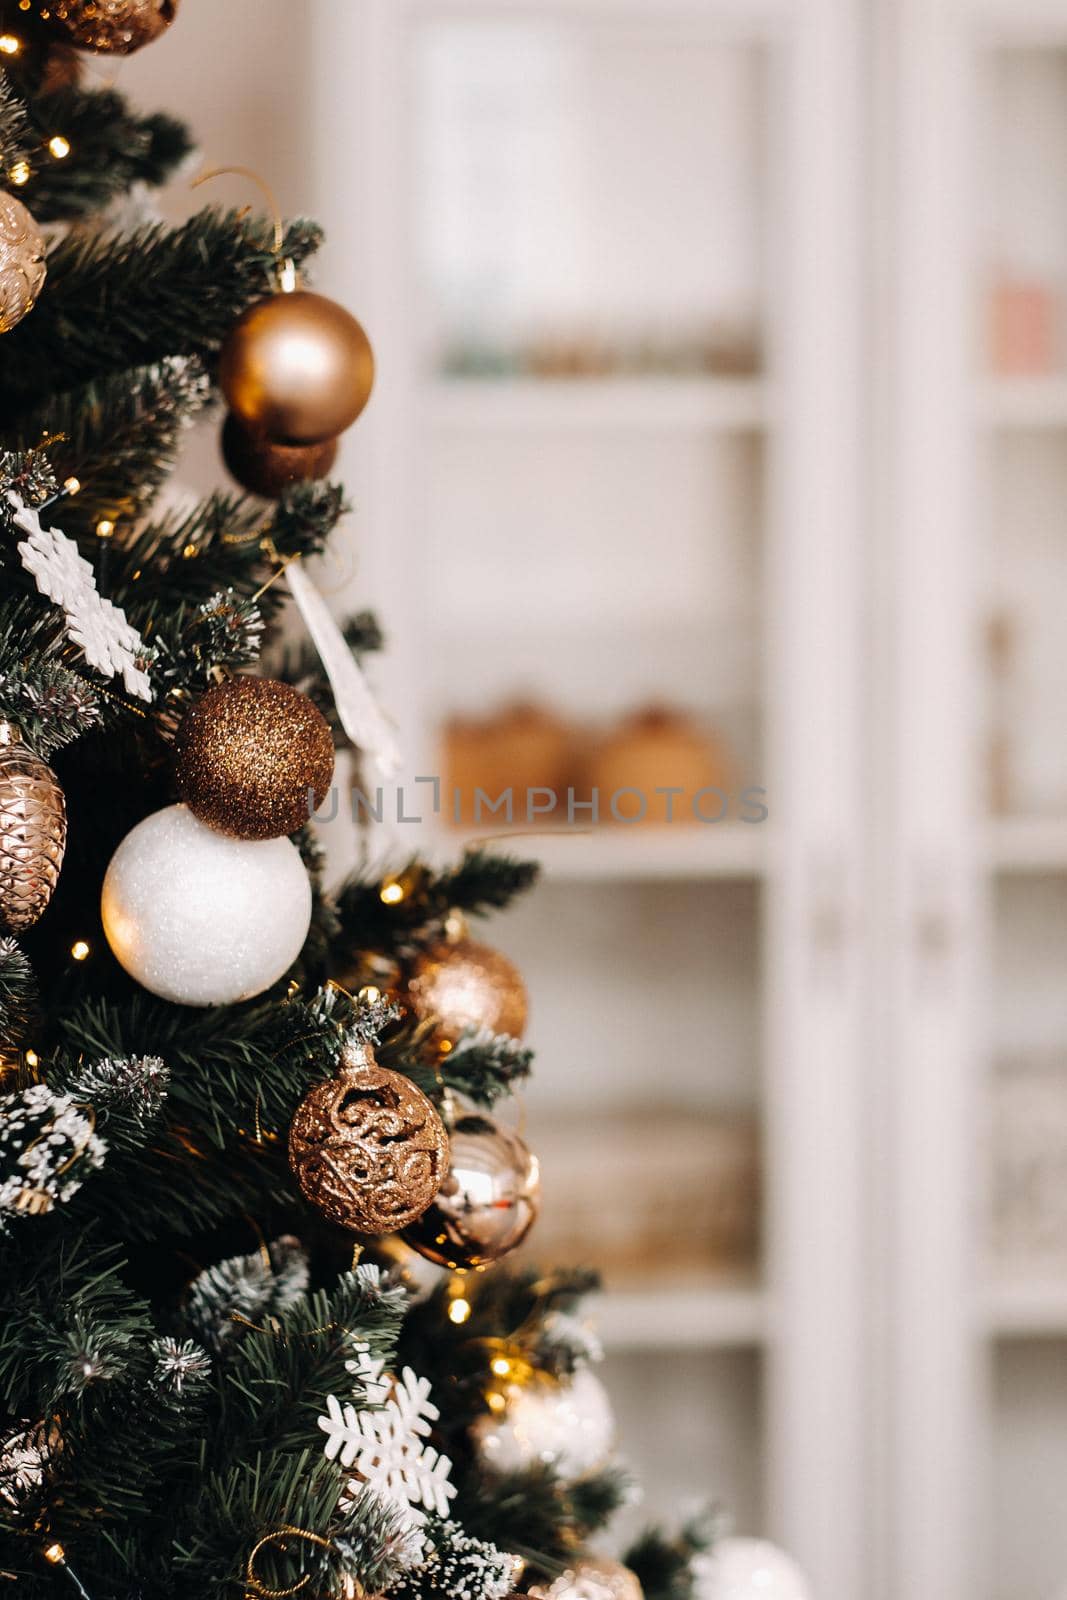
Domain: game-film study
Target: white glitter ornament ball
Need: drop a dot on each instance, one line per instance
(749, 1569)
(567, 1426)
(200, 918)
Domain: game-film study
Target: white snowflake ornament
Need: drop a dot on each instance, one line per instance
(386, 1447)
(108, 641)
(376, 1388)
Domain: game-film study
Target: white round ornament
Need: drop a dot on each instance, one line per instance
(567, 1426)
(200, 918)
(749, 1569)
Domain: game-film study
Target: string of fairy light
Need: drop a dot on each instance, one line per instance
(58, 145)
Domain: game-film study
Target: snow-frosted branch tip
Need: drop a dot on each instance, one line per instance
(370, 1013)
(180, 1365)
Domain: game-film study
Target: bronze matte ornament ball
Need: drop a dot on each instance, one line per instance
(265, 468)
(368, 1149)
(111, 27)
(487, 1204)
(297, 368)
(254, 758)
(462, 986)
(22, 263)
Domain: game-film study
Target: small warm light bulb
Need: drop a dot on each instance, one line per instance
(391, 892)
(10, 44)
(190, 551)
(58, 146)
(79, 950)
(494, 1401)
(19, 173)
(72, 485)
(459, 1310)
(105, 528)
(55, 1553)
(501, 1366)
(369, 994)
(32, 1058)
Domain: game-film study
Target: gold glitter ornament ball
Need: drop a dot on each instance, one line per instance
(254, 758)
(487, 1204)
(265, 468)
(33, 832)
(297, 368)
(464, 985)
(110, 27)
(592, 1579)
(22, 263)
(368, 1149)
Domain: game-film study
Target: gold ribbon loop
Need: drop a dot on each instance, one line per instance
(255, 1584)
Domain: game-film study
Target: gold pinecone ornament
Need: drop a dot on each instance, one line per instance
(33, 832)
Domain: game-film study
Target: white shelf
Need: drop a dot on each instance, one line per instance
(1023, 402)
(1027, 844)
(635, 854)
(1027, 1310)
(675, 1319)
(650, 404)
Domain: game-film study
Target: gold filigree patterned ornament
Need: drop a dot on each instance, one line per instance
(33, 832)
(26, 1452)
(368, 1149)
(110, 27)
(592, 1579)
(462, 986)
(22, 263)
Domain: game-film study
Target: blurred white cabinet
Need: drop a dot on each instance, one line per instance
(723, 357)
(973, 907)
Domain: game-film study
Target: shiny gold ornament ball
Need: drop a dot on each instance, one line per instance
(111, 27)
(254, 758)
(487, 1204)
(265, 468)
(368, 1149)
(592, 1579)
(22, 263)
(33, 832)
(297, 368)
(464, 985)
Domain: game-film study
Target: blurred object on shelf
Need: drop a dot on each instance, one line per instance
(1029, 1137)
(1024, 318)
(539, 757)
(521, 747)
(654, 750)
(1001, 639)
(666, 1194)
(716, 350)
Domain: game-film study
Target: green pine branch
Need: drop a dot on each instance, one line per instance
(663, 1562)
(119, 435)
(111, 149)
(113, 302)
(40, 691)
(483, 880)
(16, 134)
(223, 543)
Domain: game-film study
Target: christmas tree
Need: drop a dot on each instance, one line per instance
(233, 1104)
